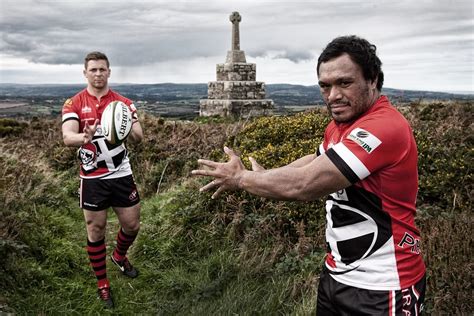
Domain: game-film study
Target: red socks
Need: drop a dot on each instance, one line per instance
(124, 242)
(97, 256)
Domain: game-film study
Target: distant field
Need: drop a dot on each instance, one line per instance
(7, 105)
(181, 109)
(21, 108)
(182, 100)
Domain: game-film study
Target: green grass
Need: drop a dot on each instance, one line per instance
(234, 255)
(189, 265)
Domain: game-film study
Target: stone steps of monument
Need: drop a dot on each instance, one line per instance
(236, 90)
(236, 95)
(241, 108)
(236, 72)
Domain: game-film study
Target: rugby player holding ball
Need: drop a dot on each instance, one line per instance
(106, 174)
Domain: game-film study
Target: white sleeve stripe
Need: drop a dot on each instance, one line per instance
(321, 149)
(68, 116)
(351, 160)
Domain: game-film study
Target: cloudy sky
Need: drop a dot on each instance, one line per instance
(423, 44)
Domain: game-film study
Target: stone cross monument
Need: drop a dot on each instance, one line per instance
(235, 55)
(235, 93)
(235, 18)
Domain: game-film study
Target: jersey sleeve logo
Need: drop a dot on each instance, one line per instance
(364, 139)
(67, 103)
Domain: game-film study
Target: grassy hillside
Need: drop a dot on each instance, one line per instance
(235, 255)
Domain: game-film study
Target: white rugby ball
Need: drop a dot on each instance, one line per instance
(116, 122)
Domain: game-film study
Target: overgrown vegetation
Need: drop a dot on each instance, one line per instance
(238, 254)
(11, 127)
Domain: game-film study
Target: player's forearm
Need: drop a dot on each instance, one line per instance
(135, 138)
(136, 134)
(283, 183)
(315, 179)
(303, 161)
(73, 139)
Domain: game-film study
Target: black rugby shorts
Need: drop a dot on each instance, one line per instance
(100, 194)
(335, 298)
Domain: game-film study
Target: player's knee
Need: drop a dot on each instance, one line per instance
(131, 228)
(96, 230)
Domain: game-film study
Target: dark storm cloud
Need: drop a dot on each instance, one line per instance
(142, 32)
(135, 34)
(436, 34)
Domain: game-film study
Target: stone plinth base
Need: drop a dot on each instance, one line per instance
(236, 72)
(236, 108)
(236, 90)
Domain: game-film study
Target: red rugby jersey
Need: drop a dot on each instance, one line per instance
(99, 159)
(372, 239)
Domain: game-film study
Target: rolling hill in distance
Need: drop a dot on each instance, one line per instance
(179, 100)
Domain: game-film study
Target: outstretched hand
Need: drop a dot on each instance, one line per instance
(255, 165)
(89, 131)
(227, 175)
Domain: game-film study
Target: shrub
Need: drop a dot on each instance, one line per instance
(276, 141)
(445, 137)
(11, 127)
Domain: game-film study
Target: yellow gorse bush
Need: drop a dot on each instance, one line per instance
(277, 141)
